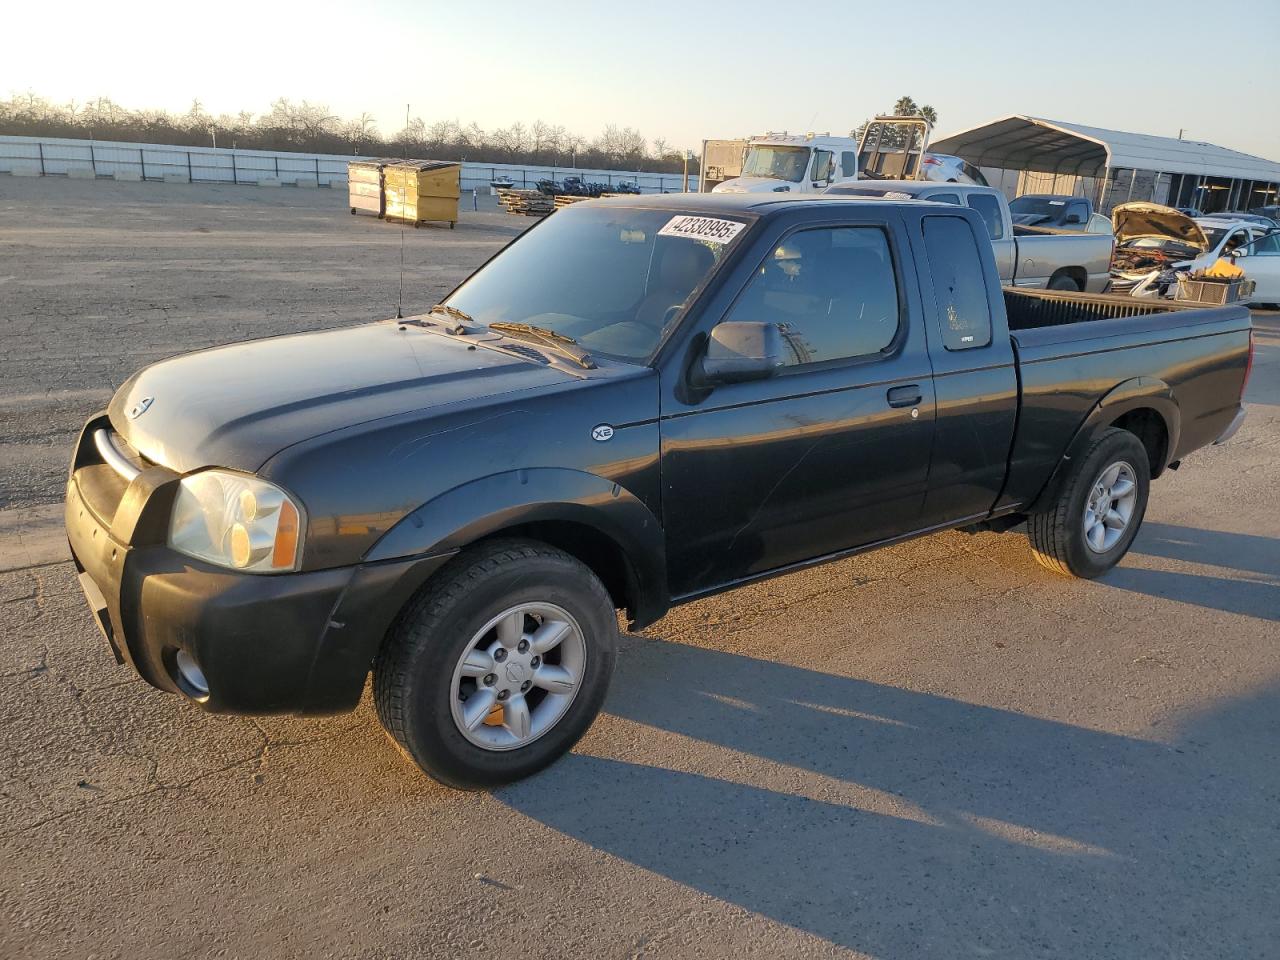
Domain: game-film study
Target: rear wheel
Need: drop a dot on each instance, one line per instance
(499, 666)
(1065, 283)
(1098, 511)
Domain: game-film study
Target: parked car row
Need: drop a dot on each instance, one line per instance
(1026, 256)
(1147, 244)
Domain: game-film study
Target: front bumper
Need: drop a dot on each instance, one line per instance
(298, 642)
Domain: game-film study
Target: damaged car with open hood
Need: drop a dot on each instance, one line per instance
(1155, 243)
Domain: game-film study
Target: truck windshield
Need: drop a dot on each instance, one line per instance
(612, 278)
(780, 163)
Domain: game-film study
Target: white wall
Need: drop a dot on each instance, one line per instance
(60, 156)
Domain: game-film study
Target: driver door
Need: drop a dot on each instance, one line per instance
(831, 451)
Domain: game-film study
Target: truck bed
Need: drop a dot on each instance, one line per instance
(1037, 309)
(1188, 358)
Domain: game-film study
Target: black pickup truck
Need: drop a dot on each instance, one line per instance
(639, 402)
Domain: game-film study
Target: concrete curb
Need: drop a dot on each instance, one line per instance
(127, 176)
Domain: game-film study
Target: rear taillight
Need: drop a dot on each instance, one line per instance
(932, 162)
(1248, 366)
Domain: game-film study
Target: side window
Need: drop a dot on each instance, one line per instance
(832, 291)
(1099, 224)
(1268, 246)
(848, 164)
(822, 165)
(1078, 210)
(944, 198)
(988, 208)
(959, 287)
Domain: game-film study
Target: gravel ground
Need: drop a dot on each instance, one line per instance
(937, 750)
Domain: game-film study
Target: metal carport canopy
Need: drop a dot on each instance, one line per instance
(1018, 142)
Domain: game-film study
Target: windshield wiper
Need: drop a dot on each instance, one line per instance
(459, 315)
(566, 345)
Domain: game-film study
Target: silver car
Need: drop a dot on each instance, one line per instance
(944, 168)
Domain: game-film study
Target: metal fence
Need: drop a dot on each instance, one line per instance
(151, 161)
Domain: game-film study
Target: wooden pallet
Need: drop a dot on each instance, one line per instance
(534, 203)
(527, 203)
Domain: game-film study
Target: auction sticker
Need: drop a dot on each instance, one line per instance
(711, 229)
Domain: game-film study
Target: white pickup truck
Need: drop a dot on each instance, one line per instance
(1038, 257)
(782, 163)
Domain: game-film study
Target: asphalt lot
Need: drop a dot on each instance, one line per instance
(938, 750)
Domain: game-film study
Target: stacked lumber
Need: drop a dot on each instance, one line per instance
(527, 203)
(534, 203)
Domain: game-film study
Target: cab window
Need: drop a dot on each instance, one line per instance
(959, 283)
(832, 291)
(822, 165)
(944, 198)
(848, 164)
(988, 208)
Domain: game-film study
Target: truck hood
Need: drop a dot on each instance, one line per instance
(236, 406)
(1141, 219)
(752, 185)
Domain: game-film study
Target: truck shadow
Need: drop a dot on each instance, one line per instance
(910, 825)
(1256, 595)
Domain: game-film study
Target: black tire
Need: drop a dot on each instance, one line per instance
(1064, 283)
(413, 674)
(1058, 534)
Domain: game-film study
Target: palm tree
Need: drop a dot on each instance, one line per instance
(905, 107)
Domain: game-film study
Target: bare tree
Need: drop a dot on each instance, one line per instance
(287, 124)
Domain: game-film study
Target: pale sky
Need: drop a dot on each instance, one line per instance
(680, 71)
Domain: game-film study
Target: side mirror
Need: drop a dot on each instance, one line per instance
(741, 350)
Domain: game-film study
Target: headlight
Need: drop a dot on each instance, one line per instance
(236, 521)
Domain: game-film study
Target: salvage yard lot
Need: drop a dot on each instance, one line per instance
(934, 750)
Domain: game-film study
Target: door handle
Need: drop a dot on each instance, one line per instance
(907, 395)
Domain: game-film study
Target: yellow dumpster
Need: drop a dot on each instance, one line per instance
(418, 191)
(364, 185)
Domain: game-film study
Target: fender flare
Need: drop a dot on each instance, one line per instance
(1135, 394)
(479, 508)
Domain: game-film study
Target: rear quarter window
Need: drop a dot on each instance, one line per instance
(988, 207)
(959, 284)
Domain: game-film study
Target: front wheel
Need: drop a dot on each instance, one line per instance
(499, 666)
(1099, 508)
